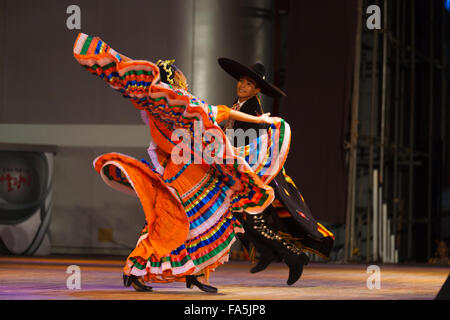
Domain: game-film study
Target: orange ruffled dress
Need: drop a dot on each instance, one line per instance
(188, 206)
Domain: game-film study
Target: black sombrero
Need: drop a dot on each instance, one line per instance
(257, 72)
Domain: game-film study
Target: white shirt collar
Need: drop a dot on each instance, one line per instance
(241, 102)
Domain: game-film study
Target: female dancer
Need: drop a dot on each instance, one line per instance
(188, 205)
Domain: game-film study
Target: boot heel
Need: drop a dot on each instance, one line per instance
(126, 280)
(135, 283)
(189, 284)
(193, 281)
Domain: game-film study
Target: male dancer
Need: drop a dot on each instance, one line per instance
(274, 237)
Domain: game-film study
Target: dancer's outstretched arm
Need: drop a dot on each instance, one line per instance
(241, 116)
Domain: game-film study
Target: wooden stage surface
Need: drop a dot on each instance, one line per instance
(44, 278)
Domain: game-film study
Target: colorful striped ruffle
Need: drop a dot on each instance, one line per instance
(203, 252)
(210, 222)
(265, 153)
(206, 228)
(171, 109)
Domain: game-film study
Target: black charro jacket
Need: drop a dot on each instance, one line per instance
(251, 106)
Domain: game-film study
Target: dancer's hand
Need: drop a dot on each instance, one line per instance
(266, 118)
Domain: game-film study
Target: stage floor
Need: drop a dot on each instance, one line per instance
(45, 278)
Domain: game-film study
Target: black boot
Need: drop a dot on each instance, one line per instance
(135, 283)
(295, 264)
(262, 264)
(193, 281)
(285, 247)
(267, 254)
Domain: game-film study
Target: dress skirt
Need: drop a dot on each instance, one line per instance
(188, 205)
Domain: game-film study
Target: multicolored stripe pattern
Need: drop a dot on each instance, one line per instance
(265, 153)
(212, 226)
(227, 186)
(172, 109)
